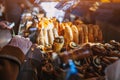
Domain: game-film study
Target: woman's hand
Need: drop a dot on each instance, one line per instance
(3, 25)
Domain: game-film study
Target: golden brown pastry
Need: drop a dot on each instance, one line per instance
(40, 37)
(46, 23)
(77, 22)
(61, 29)
(69, 23)
(45, 33)
(90, 33)
(50, 25)
(68, 35)
(85, 30)
(40, 25)
(55, 32)
(81, 34)
(55, 24)
(75, 34)
(95, 32)
(50, 36)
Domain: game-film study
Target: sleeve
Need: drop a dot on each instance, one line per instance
(23, 43)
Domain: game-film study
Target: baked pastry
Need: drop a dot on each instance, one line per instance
(50, 36)
(77, 22)
(100, 37)
(95, 31)
(55, 32)
(40, 37)
(55, 24)
(90, 33)
(85, 31)
(75, 34)
(68, 35)
(61, 29)
(45, 33)
(81, 34)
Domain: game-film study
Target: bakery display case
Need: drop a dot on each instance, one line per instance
(78, 43)
(72, 43)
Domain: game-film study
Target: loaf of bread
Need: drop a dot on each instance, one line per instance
(68, 35)
(90, 33)
(55, 25)
(45, 33)
(55, 32)
(85, 31)
(61, 29)
(95, 31)
(50, 36)
(40, 37)
(75, 34)
(81, 34)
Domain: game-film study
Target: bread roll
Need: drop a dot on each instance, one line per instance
(81, 34)
(50, 25)
(40, 25)
(55, 24)
(50, 36)
(75, 34)
(46, 23)
(85, 30)
(40, 37)
(68, 35)
(61, 29)
(90, 33)
(45, 33)
(77, 22)
(69, 23)
(95, 32)
(55, 32)
(100, 35)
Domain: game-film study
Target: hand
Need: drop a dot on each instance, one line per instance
(3, 25)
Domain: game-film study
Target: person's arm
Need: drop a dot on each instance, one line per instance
(25, 4)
